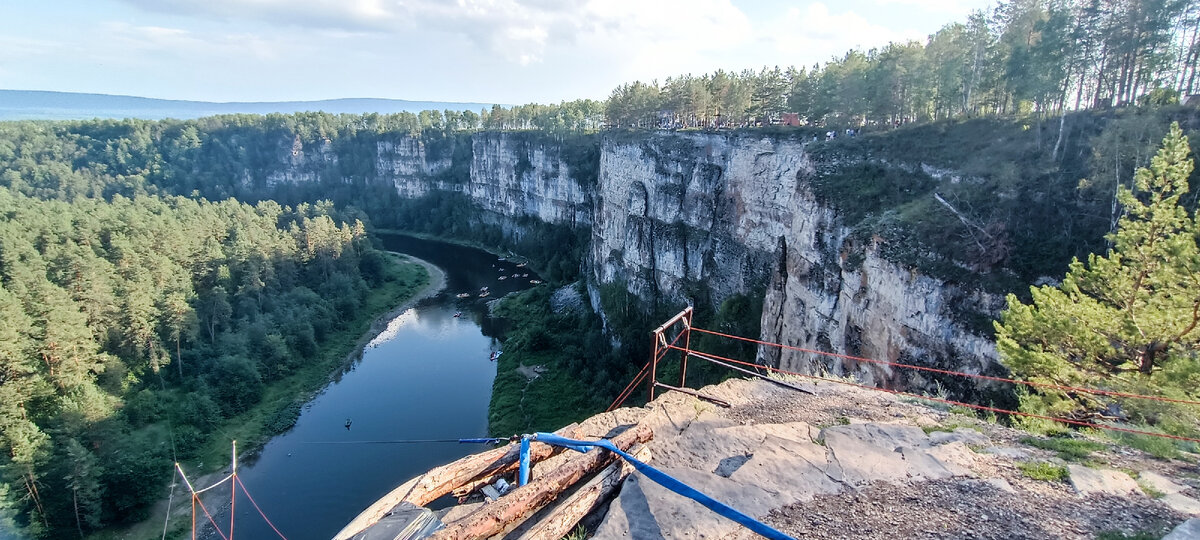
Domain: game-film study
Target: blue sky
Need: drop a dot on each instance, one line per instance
(506, 51)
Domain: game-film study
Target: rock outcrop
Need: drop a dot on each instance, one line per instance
(671, 214)
(852, 463)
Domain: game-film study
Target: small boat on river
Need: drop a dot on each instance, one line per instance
(463, 295)
(501, 278)
(484, 294)
(535, 281)
(457, 314)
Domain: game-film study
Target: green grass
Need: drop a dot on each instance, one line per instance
(1068, 449)
(575, 381)
(1044, 471)
(1159, 447)
(947, 427)
(579, 533)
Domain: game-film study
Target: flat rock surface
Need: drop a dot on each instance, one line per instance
(848, 463)
(1087, 480)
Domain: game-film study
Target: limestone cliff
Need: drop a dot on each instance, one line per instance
(672, 214)
(737, 213)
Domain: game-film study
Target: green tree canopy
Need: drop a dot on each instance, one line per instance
(1126, 320)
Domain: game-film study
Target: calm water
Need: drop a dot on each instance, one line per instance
(427, 376)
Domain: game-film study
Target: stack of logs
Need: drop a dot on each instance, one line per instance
(518, 505)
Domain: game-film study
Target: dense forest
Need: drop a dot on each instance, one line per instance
(1022, 57)
(131, 327)
(136, 316)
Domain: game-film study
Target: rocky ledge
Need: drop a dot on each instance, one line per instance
(853, 463)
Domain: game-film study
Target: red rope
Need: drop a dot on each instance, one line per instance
(260, 512)
(196, 499)
(959, 373)
(951, 402)
(628, 391)
(625, 393)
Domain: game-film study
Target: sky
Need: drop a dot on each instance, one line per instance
(491, 51)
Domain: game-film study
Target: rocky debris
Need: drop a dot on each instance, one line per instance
(1007, 452)
(956, 508)
(567, 299)
(1087, 480)
(1188, 530)
(531, 372)
(1159, 483)
(851, 463)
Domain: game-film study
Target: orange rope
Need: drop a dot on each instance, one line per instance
(951, 402)
(238, 481)
(948, 372)
(637, 379)
(196, 500)
(627, 391)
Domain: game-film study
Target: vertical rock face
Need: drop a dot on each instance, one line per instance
(672, 214)
(674, 209)
(405, 162)
(736, 212)
(513, 177)
(298, 164)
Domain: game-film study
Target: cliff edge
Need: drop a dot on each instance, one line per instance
(854, 463)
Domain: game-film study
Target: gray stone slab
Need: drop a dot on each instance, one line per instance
(1087, 480)
(867, 453)
(1188, 530)
(791, 471)
(962, 434)
(1160, 483)
(645, 510)
(1182, 504)
(1009, 452)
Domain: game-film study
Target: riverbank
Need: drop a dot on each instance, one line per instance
(409, 281)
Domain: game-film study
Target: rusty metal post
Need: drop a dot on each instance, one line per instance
(653, 363)
(687, 342)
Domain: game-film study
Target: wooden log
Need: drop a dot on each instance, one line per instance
(439, 481)
(493, 518)
(561, 519)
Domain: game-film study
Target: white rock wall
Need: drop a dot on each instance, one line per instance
(734, 211)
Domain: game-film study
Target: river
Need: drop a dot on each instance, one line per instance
(427, 376)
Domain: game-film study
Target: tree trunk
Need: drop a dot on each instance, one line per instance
(560, 520)
(493, 518)
(75, 503)
(439, 481)
(1146, 360)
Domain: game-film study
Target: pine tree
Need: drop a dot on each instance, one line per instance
(1126, 320)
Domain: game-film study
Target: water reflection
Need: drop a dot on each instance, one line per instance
(426, 376)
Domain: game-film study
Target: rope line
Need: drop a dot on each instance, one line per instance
(960, 403)
(628, 388)
(170, 498)
(1095, 391)
(196, 498)
(260, 512)
(667, 481)
(637, 379)
(222, 481)
(481, 440)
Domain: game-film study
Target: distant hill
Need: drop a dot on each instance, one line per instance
(40, 105)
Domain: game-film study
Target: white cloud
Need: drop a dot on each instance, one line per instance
(817, 33)
(946, 10)
(519, 31)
